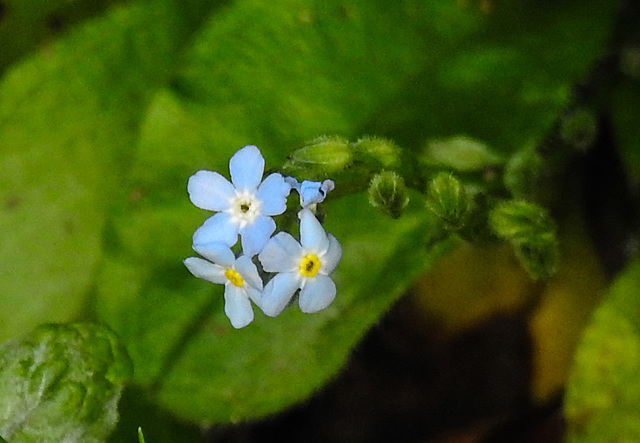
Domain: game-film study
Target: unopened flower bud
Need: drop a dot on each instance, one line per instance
(460, 153)
(388, 193)
(539, 259)
(522, 173)
(630, 62)
(520, 221)
(447, 199)
(378, 150)
(321, 157)
(532, 233)
(579, 128)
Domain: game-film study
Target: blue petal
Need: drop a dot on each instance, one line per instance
(246, 167)
(237, 306)
(248, 271)
(211, 191)
(293, 183)
(256, 235)
(312, 235)
(278, 292)
(217, 252)
(273, 194)
(205, 270)
(317, 294)
(331, 259)
(310, 193)
(218, 228)
(281, 253)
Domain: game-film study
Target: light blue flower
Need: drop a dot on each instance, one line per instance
(242, 283)
(244, 206)
(311, 193)
(305, 266)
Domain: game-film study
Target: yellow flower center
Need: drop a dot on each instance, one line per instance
(309, 265)
(234, 277)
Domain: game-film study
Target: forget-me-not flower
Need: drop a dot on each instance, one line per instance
(242, 283)
(244, 206)
(305, 266)
(310, 192)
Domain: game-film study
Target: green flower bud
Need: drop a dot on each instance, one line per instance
(447, 199)
(522, 173)
(382, 151)
(520, 221)
(539, 259)
(321, 157)
(531, 232)
(388, 193)
(579, 128)
(630, 62)
(460, 153)
(62, 383)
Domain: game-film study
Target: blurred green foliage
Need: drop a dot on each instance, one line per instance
(106, 109)
(603, 395)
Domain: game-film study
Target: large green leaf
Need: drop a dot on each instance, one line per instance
(62, 383)
(69, 119)
(504, 84)
(602, 403)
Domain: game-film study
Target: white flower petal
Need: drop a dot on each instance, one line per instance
(218, 228)
(210, 190)
(280, 254)
(256, 235)
(278, 292)
(255, 295)
(248, 271)
(237, 306)
(272, 193)
(246, 167)
(218, 253)
(330, 260)
(206, 270)
(312, 235)
(317, 294)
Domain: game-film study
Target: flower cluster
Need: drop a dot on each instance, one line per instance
(245, 208)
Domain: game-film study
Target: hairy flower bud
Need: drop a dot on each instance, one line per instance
(383, 152)
(388, 193)
(522, 173)
(447, 199)
(579, 128)
(321, 157)
(460, 153)
(531, 232)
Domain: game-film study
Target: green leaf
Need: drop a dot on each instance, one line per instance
(602, 401)
(68, 121)
(62, 383)
(505, 84)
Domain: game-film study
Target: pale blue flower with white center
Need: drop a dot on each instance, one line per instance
(242, 283)
(305, 265)
(311, 193)
(244, 206)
